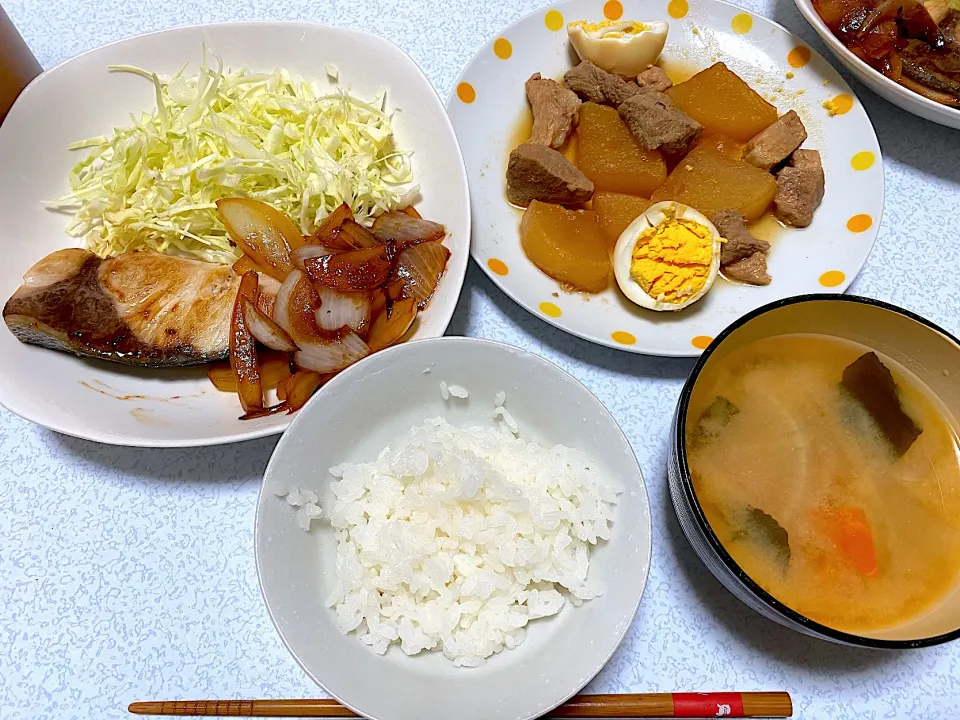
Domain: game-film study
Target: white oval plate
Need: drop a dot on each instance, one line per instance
(702, 36)
(119, 405)
(368, 406)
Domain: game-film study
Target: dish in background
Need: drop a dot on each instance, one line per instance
(117, 405)
(883, 86)
(379, 399)
(916, 44)
(752, 47)
(19, 65)
(917, 345)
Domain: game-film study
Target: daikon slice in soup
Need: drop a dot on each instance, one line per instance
(831, 475)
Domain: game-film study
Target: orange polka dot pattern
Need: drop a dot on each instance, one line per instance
(678, 9)
(466, 93)
(613, 10)
(498, 267)
(859, 223)
(799, 56)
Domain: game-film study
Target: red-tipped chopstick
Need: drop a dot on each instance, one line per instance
(662, 705)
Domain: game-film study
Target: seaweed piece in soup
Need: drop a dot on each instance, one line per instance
(870, 382)
(763, 530)
(713, 420)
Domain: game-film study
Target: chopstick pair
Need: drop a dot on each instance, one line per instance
(661, 705)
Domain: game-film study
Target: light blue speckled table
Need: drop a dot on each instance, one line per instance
(129, 574)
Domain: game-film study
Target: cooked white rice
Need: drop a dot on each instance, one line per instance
(458, 391)
(454, 539)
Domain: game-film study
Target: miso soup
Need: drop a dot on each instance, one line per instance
(831, 475)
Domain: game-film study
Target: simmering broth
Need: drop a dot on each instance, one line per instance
(835, 490)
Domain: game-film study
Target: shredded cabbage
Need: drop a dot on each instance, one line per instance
(273, 136)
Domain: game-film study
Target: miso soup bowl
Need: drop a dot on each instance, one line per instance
(928, 351)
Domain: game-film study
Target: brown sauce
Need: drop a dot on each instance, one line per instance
(678, 70)
(105, 389)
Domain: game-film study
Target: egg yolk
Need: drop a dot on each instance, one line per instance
(671, 261)
(604, 28)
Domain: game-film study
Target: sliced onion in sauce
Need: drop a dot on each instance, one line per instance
(252, 225)
(394, 289)
(300, 387)
(356, 235)
(265, 330)
(420, 267)
(378, 304)
(246, 264)
(267, 295)
(312, 250)
(388, 328)
(405, 229)
(339, 310)
(354, 270)
(273, 371)
(243, 349)
(265, 412)
(282, 302)
(325, 234)
(327, 356)
(299, 317)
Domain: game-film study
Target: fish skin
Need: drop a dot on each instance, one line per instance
(141, 308)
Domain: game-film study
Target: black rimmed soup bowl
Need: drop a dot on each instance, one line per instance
(929, 352)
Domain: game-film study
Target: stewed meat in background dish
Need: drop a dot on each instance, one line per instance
(607, 146)
(915, 44)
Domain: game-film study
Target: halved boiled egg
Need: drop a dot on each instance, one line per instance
(668, 257)
(624, 47)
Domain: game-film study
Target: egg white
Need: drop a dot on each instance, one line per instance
(623, 254)
(629, 54)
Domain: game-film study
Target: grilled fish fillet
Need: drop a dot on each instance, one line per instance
(140, 308)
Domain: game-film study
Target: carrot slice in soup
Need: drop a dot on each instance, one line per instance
(848, 528)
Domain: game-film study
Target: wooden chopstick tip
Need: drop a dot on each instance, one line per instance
(143, 708)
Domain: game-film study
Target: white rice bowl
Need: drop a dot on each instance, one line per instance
(454, 539)
(350, 421)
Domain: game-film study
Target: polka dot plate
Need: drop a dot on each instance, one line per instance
(488, 108)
